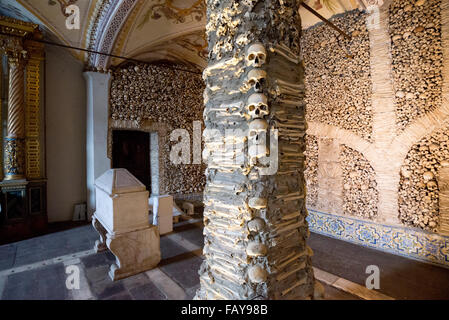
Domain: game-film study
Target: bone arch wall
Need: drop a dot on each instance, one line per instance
(415, 30)
(159, 99)
(338, 86)
(349, 177)
(404, 67)
(420, 181)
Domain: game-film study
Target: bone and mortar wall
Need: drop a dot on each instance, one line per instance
(377, 111)
(338, 94)
(157, 99)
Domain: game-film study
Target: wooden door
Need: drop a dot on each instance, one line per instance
(131, 150)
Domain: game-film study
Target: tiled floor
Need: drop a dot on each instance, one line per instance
(49, 282)
(46, 247)
(177, 274)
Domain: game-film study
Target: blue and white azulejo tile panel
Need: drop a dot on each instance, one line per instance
(412, 243)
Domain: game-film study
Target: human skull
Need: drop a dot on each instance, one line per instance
(427, 176)
(257, 203)
(256, 55)
(257, 131)
(432, 185)
(256, 249)
(256, 225)
(250, 3)
(257, 105)
(257, 274)
(256, 79)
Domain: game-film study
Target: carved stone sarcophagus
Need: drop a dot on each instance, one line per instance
(122, 220)
(122, 202)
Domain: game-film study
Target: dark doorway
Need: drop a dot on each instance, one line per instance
(131, 150)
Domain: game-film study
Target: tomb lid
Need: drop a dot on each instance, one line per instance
(120, 180)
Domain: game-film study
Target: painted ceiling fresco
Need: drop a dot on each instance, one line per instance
(165, 29)
(149, 30)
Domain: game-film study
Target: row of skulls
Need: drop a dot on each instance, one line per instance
(257, 109)
(257, 103)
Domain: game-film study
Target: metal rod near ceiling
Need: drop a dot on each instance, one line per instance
(98, 52)
(314, 12)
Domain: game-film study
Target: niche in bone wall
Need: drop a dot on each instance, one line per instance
(330, 196)
(360, 195)
(337, 75)
(146, 96)
(420, 177)
(311, 170)
(417, 58)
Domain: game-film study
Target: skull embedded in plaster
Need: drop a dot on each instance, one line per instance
(257, 131)
(250, 3)
(427, 176)
(256, 79)
(257, 274)
(256, 55)
(257, 105)
(257, 203)
(256, 225)
(256, 249)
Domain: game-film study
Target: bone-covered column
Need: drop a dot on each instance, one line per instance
(14, 154)
(255, 227)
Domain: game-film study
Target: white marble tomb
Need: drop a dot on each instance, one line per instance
(121, 219)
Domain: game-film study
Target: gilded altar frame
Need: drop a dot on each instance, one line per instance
(27, 193)
(16, 37)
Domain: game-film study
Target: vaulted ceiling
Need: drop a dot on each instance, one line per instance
(149, 30)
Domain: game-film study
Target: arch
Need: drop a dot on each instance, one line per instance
(343, 136)
(104, 29)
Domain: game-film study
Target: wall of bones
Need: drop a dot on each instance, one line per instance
(377, 138)
(174, 100)
(377, 112)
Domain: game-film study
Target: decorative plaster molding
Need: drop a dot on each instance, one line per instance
(107, 41)
(108, 18)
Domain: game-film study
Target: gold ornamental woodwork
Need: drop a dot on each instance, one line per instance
(32, 114)
(22, 148)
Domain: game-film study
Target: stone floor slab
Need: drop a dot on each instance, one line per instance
(98, 259)
(170, 249)
(100, 284)
(193, 236)
(120, 296)
(7, 256)
(184, 272)
(147, 291)
(47, 283)
(170, 288)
